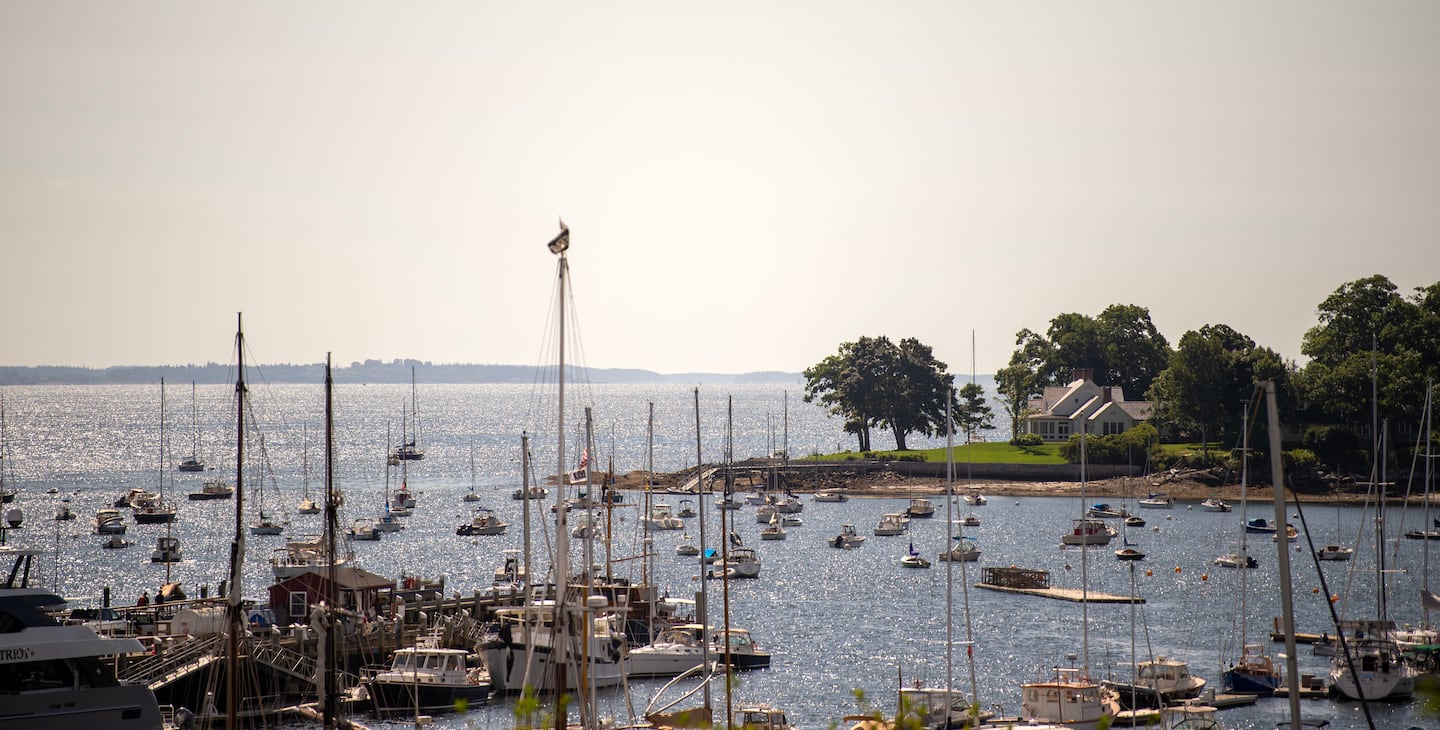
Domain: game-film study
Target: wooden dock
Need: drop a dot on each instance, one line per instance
(1030, 582)
(1074, 595)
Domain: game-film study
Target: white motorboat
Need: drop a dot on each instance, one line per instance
(53, 674)
(936, 708)
(1088, 531)
(890, 524)
(848, 538)
(1335, 552)
(213, 489)
(483, 522)
(964, 550)
(1215, 504)
(108, 521)
(428, 679)
(363, 528)
(1068, 699)
(678, 649)
(742, 562)
(1155, 684)
(1103, 509)
(167, 550)
(389, 521)
(974, 499)
(531, 493)
(830, 495)
(687, 509)
(1233, 559)
(920, 507)
(662, 518)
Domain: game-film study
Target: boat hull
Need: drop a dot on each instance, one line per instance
(391, 698)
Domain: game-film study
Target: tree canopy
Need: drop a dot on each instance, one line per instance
(876, 383)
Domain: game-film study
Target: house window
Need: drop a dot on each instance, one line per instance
(1114, 428)
(1063, 429)
(298, 605)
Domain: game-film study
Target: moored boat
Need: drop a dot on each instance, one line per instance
(427, 679)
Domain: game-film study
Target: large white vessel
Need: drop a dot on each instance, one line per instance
(52, 673)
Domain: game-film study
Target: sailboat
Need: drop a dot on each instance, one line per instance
(307, 505)
(571, 642)
(1369, 664)
(410, 450)
(153, 509)
(471, 496)
(193, 462)
(913, 558)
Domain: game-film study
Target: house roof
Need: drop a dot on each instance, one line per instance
(349, 577)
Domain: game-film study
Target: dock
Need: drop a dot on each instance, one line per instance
(1026, 581)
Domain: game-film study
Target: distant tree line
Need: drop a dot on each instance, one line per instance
(368, 371)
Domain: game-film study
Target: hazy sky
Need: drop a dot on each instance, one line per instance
(748, 184)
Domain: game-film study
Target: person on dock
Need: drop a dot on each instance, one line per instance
(144, 599)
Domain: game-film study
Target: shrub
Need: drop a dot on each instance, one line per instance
(1027, 439)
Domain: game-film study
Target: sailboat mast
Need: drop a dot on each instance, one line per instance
(702, 611)
(332, 655)
(525, 503)
(949, 543)
(1282, 549)
(562, 532)
(725, 558)
(162, 472)
(1084, 562)
(237, 546)
(1244, 562)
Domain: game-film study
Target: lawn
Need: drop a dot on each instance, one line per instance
(985, 453)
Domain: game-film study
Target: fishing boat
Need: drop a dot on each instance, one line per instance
(1157, 683)
(920, 507)
(167, 550)
(890, 524)
(677, 649)
(963, 549)
(426, 679)
(848, 538)
(108, 521)
(482, 522)
(1335, 552)
(363, 528)
(1215, 504)
(830, 495)
(1088, 531)
(213, 489)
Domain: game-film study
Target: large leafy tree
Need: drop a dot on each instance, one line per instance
(1210, 378)
(876, 383)
(1368, 337)
(1016, 383)
(1122, 346)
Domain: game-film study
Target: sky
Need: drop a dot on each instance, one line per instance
(748, 185)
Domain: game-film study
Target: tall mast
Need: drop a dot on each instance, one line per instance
(332, 506)
(1282, 549)
(237, 546)
(702, 611)
(558, 246)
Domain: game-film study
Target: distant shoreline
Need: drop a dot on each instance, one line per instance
(887, 484)
(368, 371)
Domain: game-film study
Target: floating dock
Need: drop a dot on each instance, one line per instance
(1031, 582)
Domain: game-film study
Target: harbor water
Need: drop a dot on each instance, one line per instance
(844, 626)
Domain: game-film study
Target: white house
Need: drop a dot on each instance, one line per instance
(1058, 411)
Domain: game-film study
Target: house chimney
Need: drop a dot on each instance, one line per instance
(1105, 394)
(1081, 374)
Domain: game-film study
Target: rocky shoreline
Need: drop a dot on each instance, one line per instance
(1181, 485)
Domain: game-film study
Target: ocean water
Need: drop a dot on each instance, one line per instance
(838, 621)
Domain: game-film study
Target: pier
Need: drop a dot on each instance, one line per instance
(1029, 582)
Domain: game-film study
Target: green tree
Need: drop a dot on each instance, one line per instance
(874, 382)
(1211, 376)
(1016, 383)
(1122, 347)
(973, 414)
(1368, 337)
